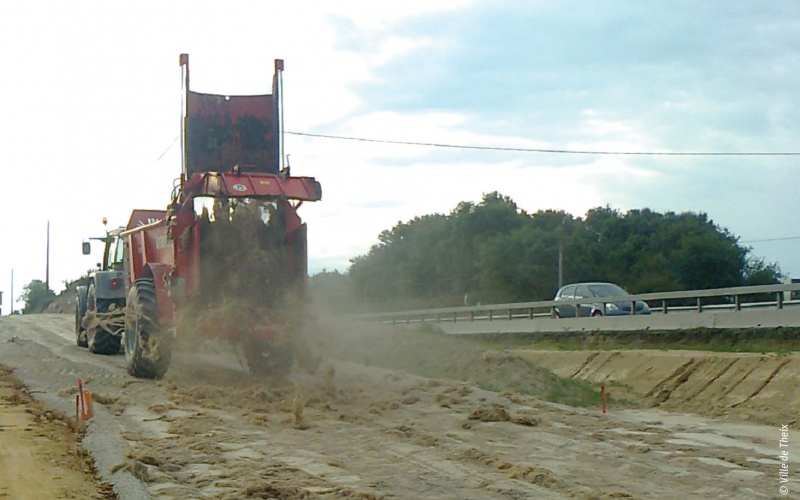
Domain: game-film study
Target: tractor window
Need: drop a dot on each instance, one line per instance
(116, 255)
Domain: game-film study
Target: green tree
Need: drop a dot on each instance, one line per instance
(758, 272)
(493, 251)
(36, 297)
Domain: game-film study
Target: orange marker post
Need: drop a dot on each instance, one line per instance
(77, 412)
(80, 397)
(89, 410)
(603, 396)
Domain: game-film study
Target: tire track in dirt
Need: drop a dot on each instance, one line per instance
(663, 390)
(711, 380)
(736, 384)
(539, 476)
(764, 384)
(606, 361)
(588, 360)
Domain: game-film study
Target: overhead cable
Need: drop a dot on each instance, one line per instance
(557, 151)
(772, 239)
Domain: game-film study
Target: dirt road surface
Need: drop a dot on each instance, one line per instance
(40, 453)
(211, 430)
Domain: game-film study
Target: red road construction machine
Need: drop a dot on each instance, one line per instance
(227, 259)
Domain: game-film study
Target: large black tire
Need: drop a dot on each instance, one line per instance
(148, 350)
(100, 340)
(80, 331)
(266, 358)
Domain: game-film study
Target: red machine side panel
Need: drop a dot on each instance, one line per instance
(148, 245)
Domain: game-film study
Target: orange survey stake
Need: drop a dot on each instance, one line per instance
(89, 410)
(603, 396)
(80, 397)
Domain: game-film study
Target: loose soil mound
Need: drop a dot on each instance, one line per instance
(431, 354)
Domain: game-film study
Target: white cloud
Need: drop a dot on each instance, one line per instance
(91, 100)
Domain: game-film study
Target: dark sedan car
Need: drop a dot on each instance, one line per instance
(594, 307)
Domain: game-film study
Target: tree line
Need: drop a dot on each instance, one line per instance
(495, 252)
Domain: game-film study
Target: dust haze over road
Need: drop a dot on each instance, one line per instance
(209, 429)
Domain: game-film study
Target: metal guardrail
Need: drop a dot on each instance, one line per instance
(735, 296)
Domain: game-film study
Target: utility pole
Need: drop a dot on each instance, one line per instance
(47, 266)
(12, 292)
(560, 264)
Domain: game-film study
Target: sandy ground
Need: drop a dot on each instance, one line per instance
(211, 430)
(40, 453)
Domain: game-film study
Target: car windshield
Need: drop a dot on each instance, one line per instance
(606, 290)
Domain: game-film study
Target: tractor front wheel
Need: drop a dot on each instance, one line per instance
(98, 339)
(148, 350)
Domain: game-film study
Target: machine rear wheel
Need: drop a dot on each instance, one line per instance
(98, 339)
(265, 357)
(148, 350)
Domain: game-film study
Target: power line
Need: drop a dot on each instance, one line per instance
(558, 151)
(772, 239)
(168, 148)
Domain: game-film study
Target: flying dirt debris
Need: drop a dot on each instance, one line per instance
(226, 260)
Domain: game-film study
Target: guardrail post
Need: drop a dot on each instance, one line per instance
(408, 319)
(737, 299)
(633, 307)
(699, 305)
(455, 317)
(530, 313)
(779, 302)
(472, 315)
(490, 314)
(509, 314)
(664, 307)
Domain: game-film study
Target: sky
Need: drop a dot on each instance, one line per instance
(91, 92)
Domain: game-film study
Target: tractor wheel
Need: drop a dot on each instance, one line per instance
(98, 339)
(266, 358)
(148, 350)
(80, 331)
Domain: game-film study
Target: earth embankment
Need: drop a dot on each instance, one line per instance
(749, 386)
